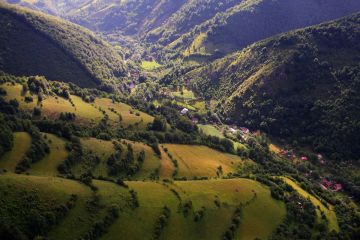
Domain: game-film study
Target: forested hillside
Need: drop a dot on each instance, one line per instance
(301, 85)
(33, 43)
(198, 28)
(254, 20)
(54, 7)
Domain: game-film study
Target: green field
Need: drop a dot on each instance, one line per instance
(139, 223)
(102, 149)
(22, 143)
(150, 65)
(86, 113)
(186, 94)
(167, 167)
(48, 165)
(210, 130)
(151, 163)
(129, 117)
(201, 161)
(328, 211)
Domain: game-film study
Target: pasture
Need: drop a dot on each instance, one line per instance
(48, 165)
(123, 115)
(201, 161)
(150, 65)
(154, 196)
(22, 143)
(119, 114)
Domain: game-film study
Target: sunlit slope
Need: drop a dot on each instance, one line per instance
(202, 194)
(22, 143)
(52, 106)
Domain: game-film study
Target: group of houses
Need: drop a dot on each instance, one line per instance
(330, 185)
(290, 155)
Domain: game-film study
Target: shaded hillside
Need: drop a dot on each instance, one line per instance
(32, 43)
(129, 17)
(254, 20)
(187, 17)
(302, 85)
(198, 28)
(54, 7)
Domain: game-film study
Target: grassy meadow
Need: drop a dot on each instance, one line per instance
(150, 65)
(201, 161)
(119, 114)
(22, 143)
(48, 165)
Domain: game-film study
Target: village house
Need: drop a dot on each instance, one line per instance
(232, 130)
(244, 130)
(184, 111)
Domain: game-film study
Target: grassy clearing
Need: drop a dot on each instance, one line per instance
(264, 211)
(201, 161)
(211, 130)
(22, 143)
(151, 163)
(329, 212)
(167, 167)
(186, 94)
(130, 117)
(139, 223)
(15, 92)
(200, 105)
(53, 106)
(86, 111)
(181, 104)
(103, 149)
(150, 65)
(48, 165)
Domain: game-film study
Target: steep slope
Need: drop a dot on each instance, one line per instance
(187, 17)
(33, 43)
(302, 85)
(129, 17)
(54, 7)
(253, 20)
